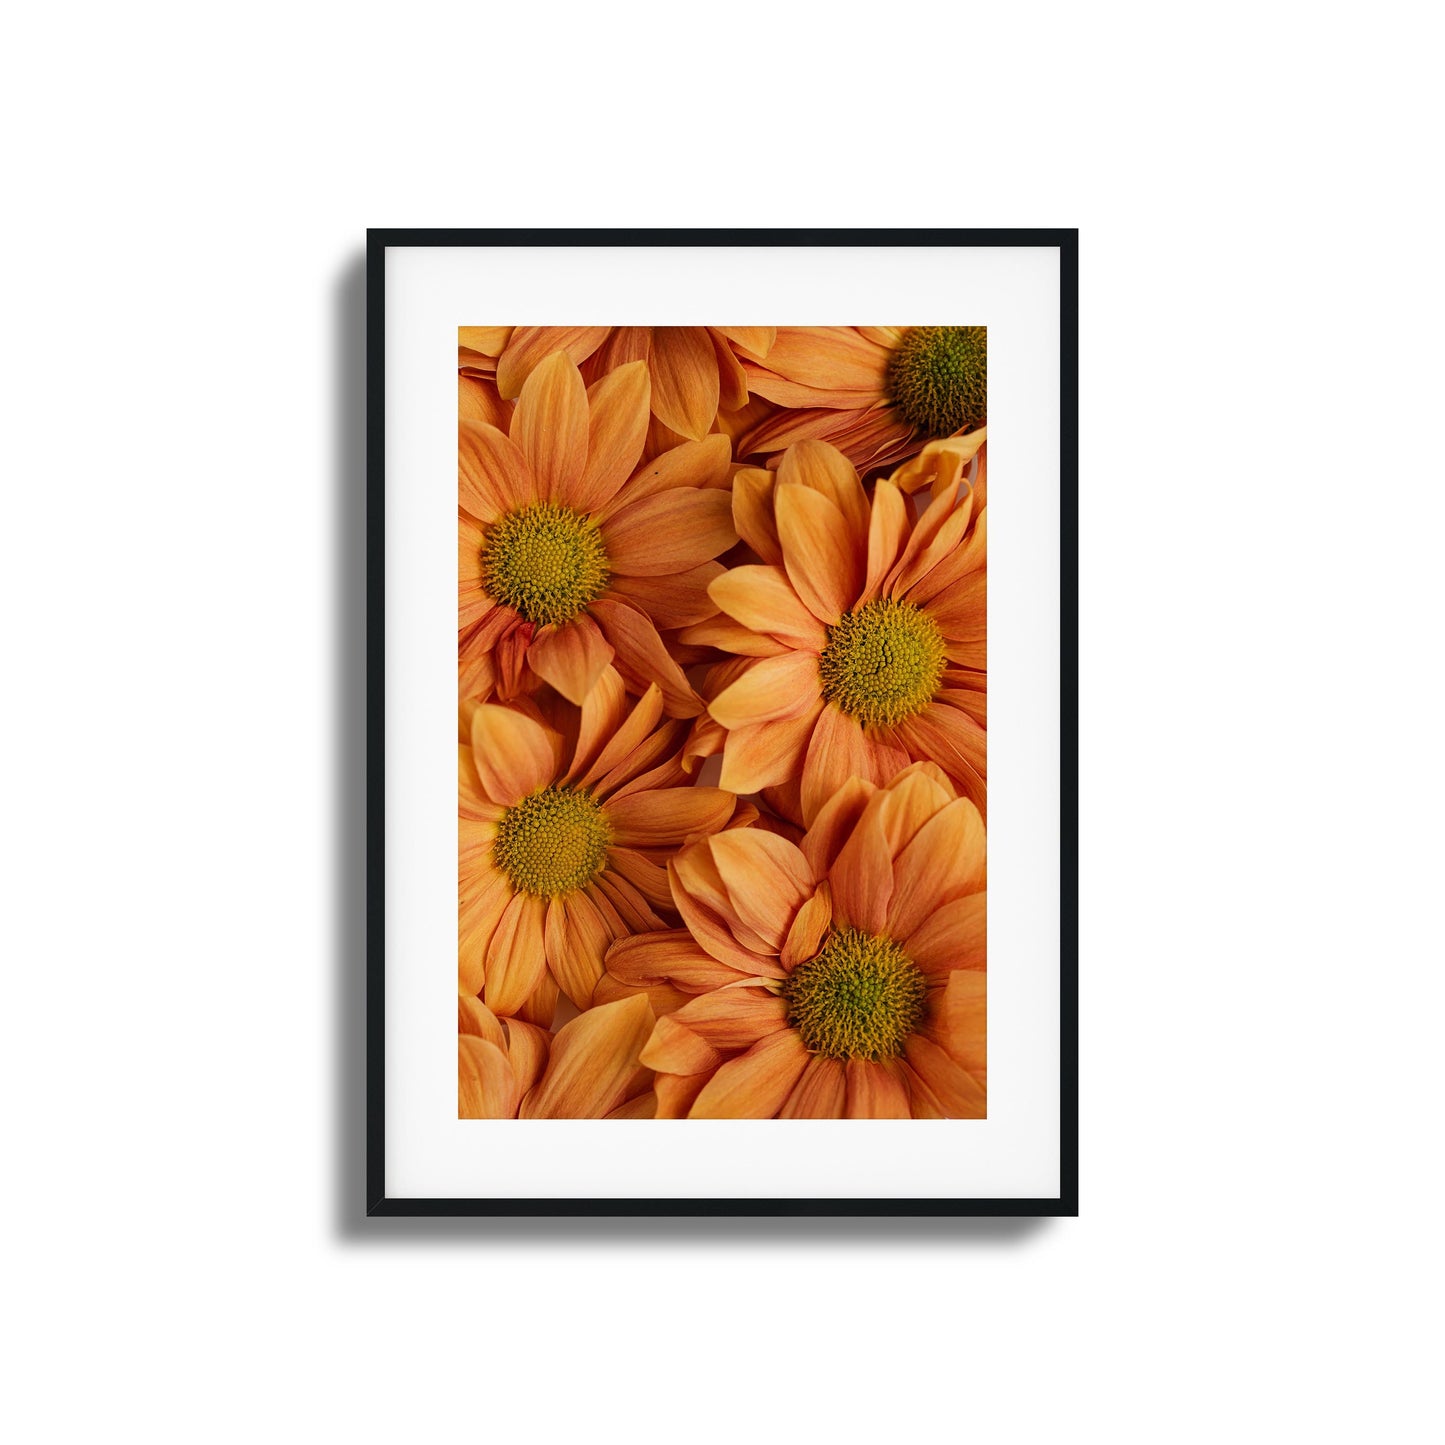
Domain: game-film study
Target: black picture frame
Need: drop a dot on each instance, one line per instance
(377, 1202)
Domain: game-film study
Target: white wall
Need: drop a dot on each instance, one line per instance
(186, 191)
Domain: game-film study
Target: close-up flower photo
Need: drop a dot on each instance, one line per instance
(722, 696)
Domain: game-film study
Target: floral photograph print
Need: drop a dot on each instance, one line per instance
(722, 681)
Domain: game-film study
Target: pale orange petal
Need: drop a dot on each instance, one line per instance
(875, 1091)
(767, 879)
(571, 657)
(669, 956)
(773, 687)
(592, 1062)
(513, 754)
(672, 531)
(946, 860)
(959, 1021)
(835, 754)
(480, 911)
(708, 923)
(821, 559)
(527, 1048)
(954, 936)
(676, 600)
(684, 379)
(862, 875)
(763, 598)
(809, 927)
(486, 1085)
(826, 470)
(887, 528)
(753, 513)
(493, 477)
(550, 426)
(700, 466)
(675, 1049)
(733, 1018)
(617, 412)
(627, 735)
(819, 1094)
(833, 823)
(952, 1089)
(516, 959)
(756, 1085)
(642, 659)
(528, 345)
(756, 340)
(666, 817)
(676, 1093)
(762, 755)
(576, 940)
(474, 1017)
(601, 715)
(733, 637)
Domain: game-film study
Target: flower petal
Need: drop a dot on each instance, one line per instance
(617, 413)
(763, 598)
(809, 927)
(516, 956)
(676, 600)
(592, 1062)
(820, 1093)
(756, 1085)
(762, 755)
(670, 956)
(667, 817)
(528, 345)
(835, 754)
(946, 860)
(642, 659)
(513, 754)
(753, 513)
(767, 880)
(571, 657)
(675, 1049)
(819, 555)
(684, 379)
(771, 688)
(550, 426)
(486, 1085)
(875, 1091)
(952, 1089)
(672, 531)
(576, 941)
(952, 937)
(493, 476)
(827, 471)
(862, 875)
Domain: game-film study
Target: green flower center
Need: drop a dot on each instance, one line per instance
(547, 562)
(553, 841)
(938, 377)
(859, 998)
(883, 662)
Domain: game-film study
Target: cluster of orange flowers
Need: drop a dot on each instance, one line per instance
(754, 555)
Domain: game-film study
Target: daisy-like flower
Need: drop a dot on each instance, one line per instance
(588, 1069)
(842, 977)
(864, 630)
(877, 393)
(694, 369)
(570, 554)
(563, 840)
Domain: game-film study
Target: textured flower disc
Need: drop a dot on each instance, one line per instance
(859, 998)
(883, 662)
(547, 562)
(938, 377)
(553, 841)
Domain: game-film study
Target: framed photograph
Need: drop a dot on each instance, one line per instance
(741, 568)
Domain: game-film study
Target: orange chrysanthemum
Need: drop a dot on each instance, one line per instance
(863, 631)
(694, 369)
(839, 978)
(877, 393)
(588, 1069)
(563, 837)
(571, 556)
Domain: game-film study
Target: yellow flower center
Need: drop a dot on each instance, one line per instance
(938, 377)
(859, 998)
(553, 841)
(546, 561)
(883, 663)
